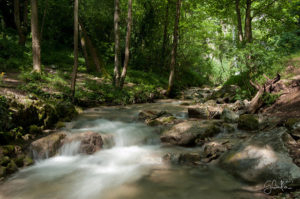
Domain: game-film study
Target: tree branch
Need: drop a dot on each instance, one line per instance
(255, 85)
(259, 10)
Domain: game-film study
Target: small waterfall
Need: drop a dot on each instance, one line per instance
(70, 149)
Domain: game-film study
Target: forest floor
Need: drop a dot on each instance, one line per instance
(91, 90)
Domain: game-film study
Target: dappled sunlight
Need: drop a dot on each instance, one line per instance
(263, 156)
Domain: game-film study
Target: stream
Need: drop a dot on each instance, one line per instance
(131, 167)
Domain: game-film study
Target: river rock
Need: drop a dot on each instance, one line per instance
(229, 116)
(47, 146)
(189, 133)
(151, 115)
(248, 122)
(90, 142)
(262, 157)
(198, 112)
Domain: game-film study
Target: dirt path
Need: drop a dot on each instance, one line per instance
(288, 104)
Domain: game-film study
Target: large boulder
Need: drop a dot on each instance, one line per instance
(189, 133)
(47, 146)
(263, 157)
(248, 122)
(90, 142)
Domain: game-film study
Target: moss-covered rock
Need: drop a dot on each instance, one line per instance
(26, 117)
(11, 167)
(66, 111)
(4, 160)
(5, 115)
(27, 161)
(248, 122)
(19, 160)
(8, 150)
(291, 122)
(35, 130)
(60, 125)
(48, 116)
(2, 171)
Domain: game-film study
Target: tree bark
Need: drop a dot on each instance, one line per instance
(165, 38)
(36, 49)
(174, 49)
(248, 22)
(22, 37)
(116, 78)
(239, 21)
(127, 52)
(74, 74)
(257, 101)
(99, 67)
(44, 19)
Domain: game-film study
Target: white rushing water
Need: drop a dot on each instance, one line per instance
(131, 169)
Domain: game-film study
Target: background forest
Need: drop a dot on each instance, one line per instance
(219, 42)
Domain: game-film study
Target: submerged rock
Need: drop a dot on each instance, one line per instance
(262, 157)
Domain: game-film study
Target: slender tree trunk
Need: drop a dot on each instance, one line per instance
(248, 22)
(116, 78)
(239, 20)
(127, 52)
(22, 37)
(83, 46)
(74, 74)
(165, 38)
(44, 19)
(3, 29)
(36, 49)
(174, 49)
(99, 67)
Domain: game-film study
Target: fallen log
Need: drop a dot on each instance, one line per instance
(268, 87)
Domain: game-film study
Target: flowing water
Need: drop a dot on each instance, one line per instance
(130, 167)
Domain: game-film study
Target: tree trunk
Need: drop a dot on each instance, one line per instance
(74, 74)
(36, 49)
(239, 20)
(248, 22)
(127, 52)
(165, 38)
(44, 19)
(174, 49)
(116, 78)
(99, 67)
(22, 37)
(85, 53)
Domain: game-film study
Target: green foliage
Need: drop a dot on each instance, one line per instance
(270, 99)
